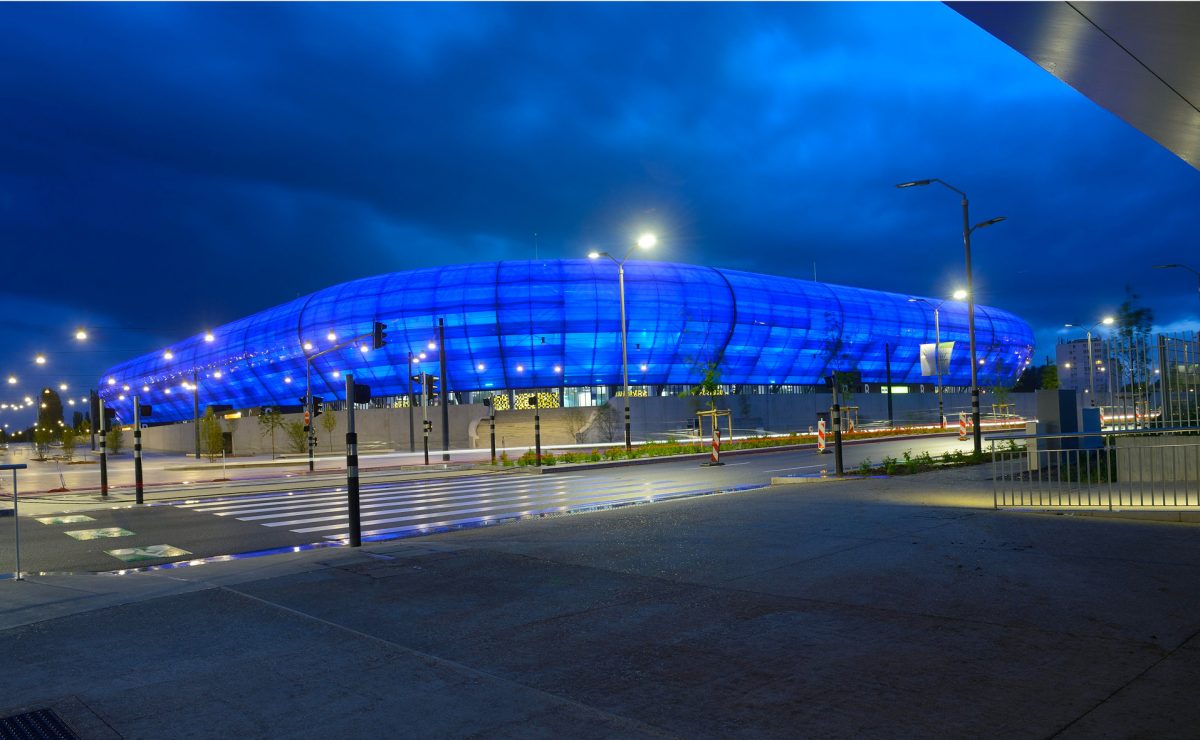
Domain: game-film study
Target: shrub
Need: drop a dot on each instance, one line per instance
(889, 465)
(864, 468)
(548, 458)
(505, 460)
(594, 456)
(527, 459)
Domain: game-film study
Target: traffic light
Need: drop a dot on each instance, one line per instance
(318, 406)
(362, 393)
(379, 336)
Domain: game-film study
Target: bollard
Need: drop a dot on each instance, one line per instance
(715, 457)
(962, 427)
(837, 439)
(352, 499)
(138, 485)
(821, 448)
(492, 426)
(537, 430)
(103, 453)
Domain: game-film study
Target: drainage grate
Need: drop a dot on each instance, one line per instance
(35, 725)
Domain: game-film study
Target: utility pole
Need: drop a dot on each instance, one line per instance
(445, 393)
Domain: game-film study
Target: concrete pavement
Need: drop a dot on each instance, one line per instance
(892, 607)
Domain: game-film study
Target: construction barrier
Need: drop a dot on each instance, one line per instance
(962, 427)
(821, 436)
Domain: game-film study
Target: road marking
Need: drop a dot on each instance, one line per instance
(798, 467)
(73, 519)
(149, 552)
(98, 534)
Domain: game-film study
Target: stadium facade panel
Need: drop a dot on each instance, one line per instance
(557, 323)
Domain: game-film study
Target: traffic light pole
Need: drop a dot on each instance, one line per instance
(425, 413)
(412, 401)
(308, 409)
(352, 500)
(196, 411)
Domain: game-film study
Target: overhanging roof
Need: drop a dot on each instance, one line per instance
(1139, 60)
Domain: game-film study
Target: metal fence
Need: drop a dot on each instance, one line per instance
(1122, 469)
(1147, 381)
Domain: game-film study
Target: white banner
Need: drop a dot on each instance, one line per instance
(928, 366)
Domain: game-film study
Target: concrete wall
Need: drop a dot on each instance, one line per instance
(652, 418)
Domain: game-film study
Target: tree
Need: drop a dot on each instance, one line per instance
(268, 421)
(576, 419)
(77, 421)
(50, 411)
(212, 435)
(69, 436)
(296, 436)
(606, 422)
(115, 439)
(1049, 377)
(329, 423)
(41, 441)
(1133, 320)
(710, 383)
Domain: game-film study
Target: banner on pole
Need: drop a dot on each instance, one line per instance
(928, 363)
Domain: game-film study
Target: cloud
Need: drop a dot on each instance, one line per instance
(206, 161)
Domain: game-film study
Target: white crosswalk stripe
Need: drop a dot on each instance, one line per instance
(399, 508)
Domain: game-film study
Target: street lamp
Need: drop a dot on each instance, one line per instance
(1182, 267)
(937, 346)
(967, 230)
(1106, 321)
(645, 241)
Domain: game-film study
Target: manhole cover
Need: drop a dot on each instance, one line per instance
(40, 723)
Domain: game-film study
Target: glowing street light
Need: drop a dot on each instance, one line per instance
(1106, 321)
(81, 335)
(967, 231)
(208, 336)
(645, 241)
(40, 359)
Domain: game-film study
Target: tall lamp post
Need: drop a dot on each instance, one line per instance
(1106, 321)
(1182, 267)
(645, 241)
(967, 230)
(937, 346)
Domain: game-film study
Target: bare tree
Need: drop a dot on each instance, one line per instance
(577, 419)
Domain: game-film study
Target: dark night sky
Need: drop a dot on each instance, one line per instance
(173, 167)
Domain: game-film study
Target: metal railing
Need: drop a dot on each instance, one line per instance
(1155, 468)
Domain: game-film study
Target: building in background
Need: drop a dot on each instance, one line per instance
(556, 325)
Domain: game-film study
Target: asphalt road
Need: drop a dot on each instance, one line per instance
(122, 536)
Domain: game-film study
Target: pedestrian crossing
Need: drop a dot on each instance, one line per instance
(404, 509)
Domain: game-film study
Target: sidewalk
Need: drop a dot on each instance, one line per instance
(869, 607)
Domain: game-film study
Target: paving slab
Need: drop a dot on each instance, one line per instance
(903, 607)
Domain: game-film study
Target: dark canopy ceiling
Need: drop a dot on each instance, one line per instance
(1140, 60)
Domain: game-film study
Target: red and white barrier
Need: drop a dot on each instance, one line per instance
(716, 447)
(962, 427)
(821, 436)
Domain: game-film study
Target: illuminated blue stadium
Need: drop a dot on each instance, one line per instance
(557, 323)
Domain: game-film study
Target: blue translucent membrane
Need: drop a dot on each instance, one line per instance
(539, 324)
